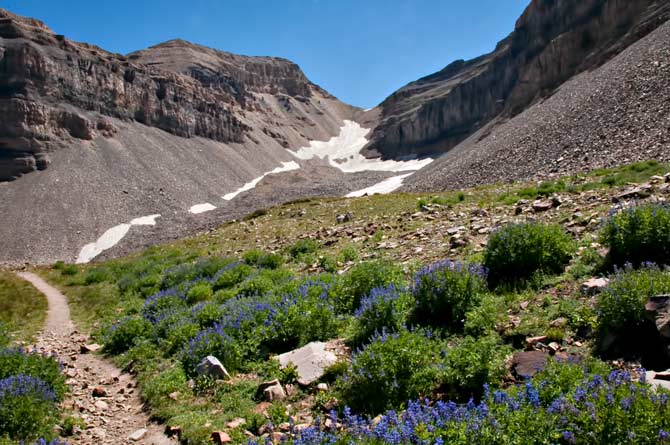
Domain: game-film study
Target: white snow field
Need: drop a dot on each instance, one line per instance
(343, 152)
(111, 237)
(386, 186)
(285, 167)
(202, 208)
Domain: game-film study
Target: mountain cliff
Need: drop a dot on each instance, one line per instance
(552, 41)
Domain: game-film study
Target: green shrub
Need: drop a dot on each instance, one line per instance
(517, 252)
(303, 247)
(621, 304)
(349, 253)
(385, 309)
(5, 337)
(126, 333)
(232, 276)
(207, 314)
(257, 257)
(637, 235)
(98, 275)
(391, 370)
(444, 292)
(361, 279)
(471, 364)
(199, 292)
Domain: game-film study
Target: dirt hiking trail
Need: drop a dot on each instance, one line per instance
(105, 398)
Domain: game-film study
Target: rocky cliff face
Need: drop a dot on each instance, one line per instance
(552, 41)
(53, 90)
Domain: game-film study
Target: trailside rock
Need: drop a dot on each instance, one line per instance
(212, 367)
(138, 435)
(594, 286)
(311, 361)
(527, 364)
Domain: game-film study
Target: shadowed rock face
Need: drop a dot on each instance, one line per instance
(552, 41)
(46, 81)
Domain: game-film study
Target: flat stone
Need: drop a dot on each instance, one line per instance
(658, 380)
(90, 348)
(236, 423)
(273, 391)
(527, 364)
(138, 435)
(311, 361)
(542, 206)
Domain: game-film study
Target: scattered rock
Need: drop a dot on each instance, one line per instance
(99, 391)
(532, 341)
(85, 349)
(219, 437)
(542, 206)
(322, 387)
(594, 286)
(344, 218)
(236, 423)
(641, 192)
(138, 435)
(311, 361)
(212, 367)
(272, 391)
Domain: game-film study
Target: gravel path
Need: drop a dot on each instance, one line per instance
(115, 412)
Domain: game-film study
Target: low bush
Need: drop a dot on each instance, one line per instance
(517, 252)
(385, 309)
(199, 292)
(361, 279)
(124, 334)
(303, 247)
(444, 292)
(637, 235)
(263, 259)
(470, 364)
(390, 370)
(621, 304)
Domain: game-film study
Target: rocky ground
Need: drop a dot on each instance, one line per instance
(104, 397)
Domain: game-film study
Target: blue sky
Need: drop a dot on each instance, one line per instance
(359, 50)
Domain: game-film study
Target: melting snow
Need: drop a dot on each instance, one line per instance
(382, 188)
(201, 208)
(343, 152)
(111, 238)
(285, 167)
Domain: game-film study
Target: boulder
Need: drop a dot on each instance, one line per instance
(310, 361)
(658, 309)
(212, 367)
(542, 206)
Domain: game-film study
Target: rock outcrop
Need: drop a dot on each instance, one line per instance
(552, 41)
(53, 90)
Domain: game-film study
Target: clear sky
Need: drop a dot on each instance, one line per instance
(359, 50)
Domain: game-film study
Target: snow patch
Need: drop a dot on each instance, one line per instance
(386, 186)
(285, 167)
(145, 221)
(201, 208)
(343, 152)
(111, 238)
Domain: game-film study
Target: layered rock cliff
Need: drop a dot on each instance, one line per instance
(552, 41)
(53, 89)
